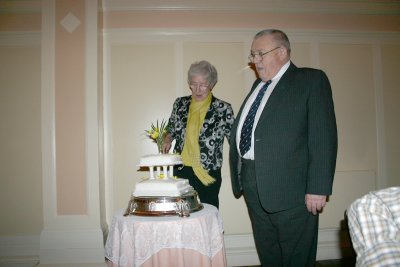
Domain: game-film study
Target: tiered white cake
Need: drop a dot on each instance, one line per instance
(163, 193)
(162, 182)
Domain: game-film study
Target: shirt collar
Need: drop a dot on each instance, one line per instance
(281, 71)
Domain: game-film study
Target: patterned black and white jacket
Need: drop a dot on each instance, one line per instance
(217, 125)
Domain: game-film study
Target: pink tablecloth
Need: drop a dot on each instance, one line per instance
(167, 241)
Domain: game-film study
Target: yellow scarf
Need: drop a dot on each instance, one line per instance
(191, 149)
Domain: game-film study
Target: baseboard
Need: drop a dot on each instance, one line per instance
(29, 261)
(329, 244)
(15, 246)
(53, 247)
(241, 251)
(84, 246)
(87, 247)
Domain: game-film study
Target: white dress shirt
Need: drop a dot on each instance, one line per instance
(250, 154)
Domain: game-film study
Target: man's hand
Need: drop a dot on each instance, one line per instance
(315, 203)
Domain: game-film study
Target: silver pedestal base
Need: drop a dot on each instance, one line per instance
(164, 206)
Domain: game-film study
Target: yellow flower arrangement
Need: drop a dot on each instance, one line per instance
(157, 133)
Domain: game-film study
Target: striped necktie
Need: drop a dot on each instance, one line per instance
(247, 127)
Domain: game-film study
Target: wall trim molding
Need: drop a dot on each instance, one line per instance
(69, 238)
(115, 36)
(11, 246)
(380, 117)
(301, 6)
(137, 35)
(383, 7)
(77, 247)
(65, 246)
(240, 249)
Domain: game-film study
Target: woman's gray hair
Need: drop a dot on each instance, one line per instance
(280, 37)
(205, 69)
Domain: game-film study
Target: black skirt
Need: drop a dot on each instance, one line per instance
(207, 194)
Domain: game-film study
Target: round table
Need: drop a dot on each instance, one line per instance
(196, 240)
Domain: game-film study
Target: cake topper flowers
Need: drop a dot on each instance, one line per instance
(157, 133)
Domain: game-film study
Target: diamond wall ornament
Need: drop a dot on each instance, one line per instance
(70, 22)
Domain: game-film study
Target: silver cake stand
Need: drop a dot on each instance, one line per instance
(164, 206)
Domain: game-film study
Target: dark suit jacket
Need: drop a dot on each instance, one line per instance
(295, 141)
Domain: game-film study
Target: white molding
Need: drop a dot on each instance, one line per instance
(329, 244)
(380, 117)
(79, 246)
(70, 238)
(108, 147)
(241, 251)
(379, 7)
(11, 246)
(27, 38)
(91, 113)
(138, 35)
(127, 35)
(293, 6)
(76, 247)
(48, 113)
(51, 219)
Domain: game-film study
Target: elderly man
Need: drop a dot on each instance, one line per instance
(283, 152)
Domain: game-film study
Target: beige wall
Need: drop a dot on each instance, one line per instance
(20, 141)
(160, 66)
(147, 51)
(391, 96)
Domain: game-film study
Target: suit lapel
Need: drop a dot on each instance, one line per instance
(234, 126)
(276, 97)
(279, 93)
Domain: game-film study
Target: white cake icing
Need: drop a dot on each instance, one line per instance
(161, 160)
(162, 163)
(162, 187)
(162, 181)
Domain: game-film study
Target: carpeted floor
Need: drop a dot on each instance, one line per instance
(348, 262)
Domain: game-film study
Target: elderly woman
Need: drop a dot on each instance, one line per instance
(199, 123)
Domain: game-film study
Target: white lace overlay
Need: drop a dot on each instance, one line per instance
(134, 239)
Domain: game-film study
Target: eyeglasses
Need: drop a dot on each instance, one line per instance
(201, 85)
(260, 55)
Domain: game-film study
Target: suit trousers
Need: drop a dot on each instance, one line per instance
(284, 238)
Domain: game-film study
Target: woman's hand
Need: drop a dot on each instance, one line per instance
(166, 144)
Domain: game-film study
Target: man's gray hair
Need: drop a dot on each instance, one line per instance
(279, 36)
